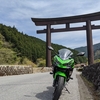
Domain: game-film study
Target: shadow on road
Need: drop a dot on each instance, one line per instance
(45, 95)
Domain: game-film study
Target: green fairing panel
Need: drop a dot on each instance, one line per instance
(60, 74)
(63, 62)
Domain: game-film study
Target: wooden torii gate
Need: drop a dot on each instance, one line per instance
(67, 21)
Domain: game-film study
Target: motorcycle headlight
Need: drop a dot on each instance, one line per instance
(57, 62)
(66, 64)
(70, 64)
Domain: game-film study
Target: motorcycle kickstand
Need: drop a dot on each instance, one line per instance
(67, 90)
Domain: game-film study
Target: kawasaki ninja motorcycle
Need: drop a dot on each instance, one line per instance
(63, 66)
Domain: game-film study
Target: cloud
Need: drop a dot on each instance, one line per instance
(18, 13)
(70, 39)
(96, 36)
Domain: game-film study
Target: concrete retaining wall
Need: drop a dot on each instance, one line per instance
(92, 73)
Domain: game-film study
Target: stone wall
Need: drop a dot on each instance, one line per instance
(15, 69)
(20, 69)
(92, 73)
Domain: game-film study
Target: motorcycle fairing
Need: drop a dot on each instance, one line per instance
(59, 73)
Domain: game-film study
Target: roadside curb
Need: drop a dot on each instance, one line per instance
(85, 94)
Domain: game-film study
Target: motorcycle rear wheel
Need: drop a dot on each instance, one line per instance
(58, 88)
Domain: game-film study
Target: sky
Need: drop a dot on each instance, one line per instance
(18, 13)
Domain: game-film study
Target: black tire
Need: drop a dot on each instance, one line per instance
(58, 88)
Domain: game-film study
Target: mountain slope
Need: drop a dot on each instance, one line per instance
(9, 56)
(82, 49)
(28, 46)
(96, 48)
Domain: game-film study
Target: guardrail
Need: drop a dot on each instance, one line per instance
(92, 73)
(20, 69)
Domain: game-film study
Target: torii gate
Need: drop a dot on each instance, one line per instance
(67, 21)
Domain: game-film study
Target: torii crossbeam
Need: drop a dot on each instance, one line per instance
(67, 21)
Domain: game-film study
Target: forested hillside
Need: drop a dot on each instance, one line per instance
(96, 48)
(27, 46)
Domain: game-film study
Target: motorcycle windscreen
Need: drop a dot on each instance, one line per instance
(65, 54)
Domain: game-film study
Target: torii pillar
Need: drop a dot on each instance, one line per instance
(48, 43)
(89, 43)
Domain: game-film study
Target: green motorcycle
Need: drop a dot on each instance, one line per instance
(63, 65)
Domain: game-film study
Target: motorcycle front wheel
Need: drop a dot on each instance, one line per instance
(58, 88)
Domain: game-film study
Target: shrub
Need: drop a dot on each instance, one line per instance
(41, 62)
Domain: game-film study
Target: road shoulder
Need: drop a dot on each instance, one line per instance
(85, 94)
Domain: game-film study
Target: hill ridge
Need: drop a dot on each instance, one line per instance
(28, 46)
(96, 48)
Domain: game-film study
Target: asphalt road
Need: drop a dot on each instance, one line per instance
(36, 86)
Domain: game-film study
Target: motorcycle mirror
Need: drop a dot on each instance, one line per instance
(81, 54)
(50, 48)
